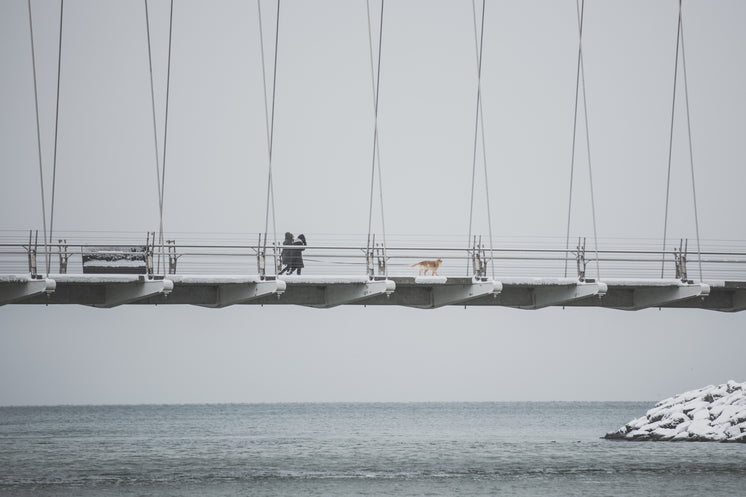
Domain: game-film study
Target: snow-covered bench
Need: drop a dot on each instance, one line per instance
(117, 260)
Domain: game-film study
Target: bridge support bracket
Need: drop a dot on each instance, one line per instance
(355, 293)
(127, 293)
(659, 296)
(13, 292)
(560, 295)
(460, 294)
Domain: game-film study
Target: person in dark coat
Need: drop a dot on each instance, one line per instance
(287, 255)
(297, 257)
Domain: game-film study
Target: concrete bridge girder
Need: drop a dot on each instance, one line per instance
(659, 296)
(545, 296)
(238, 293)
(355, 293)
(24, 287)
(127, 293)
(637, 294)
(462, 293)
(538, 293)
(110, 290)
(331, 291)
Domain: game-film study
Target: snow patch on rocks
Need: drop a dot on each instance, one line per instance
(709, 414)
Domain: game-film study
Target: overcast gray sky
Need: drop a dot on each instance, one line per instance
(216, 180)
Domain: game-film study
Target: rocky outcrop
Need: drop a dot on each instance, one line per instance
(712, 413)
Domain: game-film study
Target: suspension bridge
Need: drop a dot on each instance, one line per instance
(43, 267)
(205, 275)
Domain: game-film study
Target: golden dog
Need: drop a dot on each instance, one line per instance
(425, 266)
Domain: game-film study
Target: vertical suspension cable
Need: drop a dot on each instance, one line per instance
(264, 72)
(376, 81)
(479, 118)
(271, 126)
(155, 133)
(588, 151)
(580, 7)
(487, 187)
(56, 127)
(380, 201)
(380, 177)
(375, 116)
(38, 138)
(670, 141)
(165, 133)
(270, 187)
(689, 132)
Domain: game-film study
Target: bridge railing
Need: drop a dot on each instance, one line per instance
(352, 257)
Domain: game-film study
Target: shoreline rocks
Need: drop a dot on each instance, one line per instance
(709, 414)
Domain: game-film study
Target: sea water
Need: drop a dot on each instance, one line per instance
(435, 449)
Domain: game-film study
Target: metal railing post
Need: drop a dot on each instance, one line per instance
(149, 249)
(478, 257)
(369, 254)
(260, 257)
(64, 255)
(680, 259)
(172, 257)
(32, 251)
(580, 260)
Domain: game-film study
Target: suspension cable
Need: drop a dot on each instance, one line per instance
(56, 127)
(165, 133)
(270, 188)
(588, 150)
(378, 156)
(155, 131)
(271, 123)
(264, 72)
(380, 201)
(38, 138)
(670, 141)
(484, 156)
(689, 132)
(581, 11)
(376, 81)
(479, 119)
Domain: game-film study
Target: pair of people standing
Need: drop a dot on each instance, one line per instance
(292, 257)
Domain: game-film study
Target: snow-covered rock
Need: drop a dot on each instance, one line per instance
(712, 413)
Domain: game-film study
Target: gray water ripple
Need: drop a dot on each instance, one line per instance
(521, 449)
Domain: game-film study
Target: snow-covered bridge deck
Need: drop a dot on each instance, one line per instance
(209, 275)
(106, 291)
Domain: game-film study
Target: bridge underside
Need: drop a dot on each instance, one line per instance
(330, 291)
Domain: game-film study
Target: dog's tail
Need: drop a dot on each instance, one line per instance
(415, 264)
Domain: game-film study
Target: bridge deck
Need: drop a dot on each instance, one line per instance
(103, 290)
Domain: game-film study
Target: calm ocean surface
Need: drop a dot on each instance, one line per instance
(516, 449)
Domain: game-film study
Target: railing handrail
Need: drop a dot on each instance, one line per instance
(195, 257)
(40, 249)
